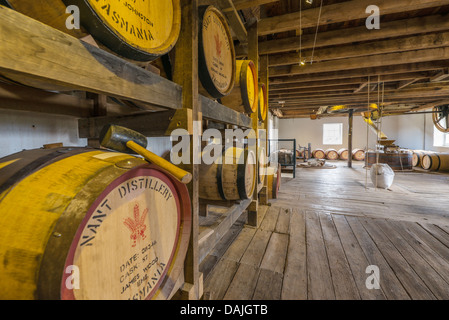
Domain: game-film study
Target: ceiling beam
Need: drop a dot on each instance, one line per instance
(381, 60)
(340, 12)
(409, 43)
(398, 28)
(245, 4)
(363, 72)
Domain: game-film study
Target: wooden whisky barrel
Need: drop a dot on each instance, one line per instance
(81, 223)
(358, 154)
(319, 154)
(139, 30)
(331, 154)
(398, 161)
(273, 181)
(263, 102)
(262, 165)
(343, 154)
(436, 162)
(418, 156)
(243, 97)
(232, 176)
(216, 54)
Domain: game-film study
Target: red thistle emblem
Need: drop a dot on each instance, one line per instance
(137, 226)
(218, 44)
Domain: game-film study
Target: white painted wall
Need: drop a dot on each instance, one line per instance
(24, 130)
(409, 131)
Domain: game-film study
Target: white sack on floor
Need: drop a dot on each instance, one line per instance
(382, 175)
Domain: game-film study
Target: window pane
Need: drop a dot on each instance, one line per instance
(333, 133)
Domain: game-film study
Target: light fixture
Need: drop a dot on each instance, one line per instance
(309, 1)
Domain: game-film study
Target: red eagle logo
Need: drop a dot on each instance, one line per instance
(218, 44)
(137, 226)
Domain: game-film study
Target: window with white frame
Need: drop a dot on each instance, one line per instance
(333, 133)
(440, 139)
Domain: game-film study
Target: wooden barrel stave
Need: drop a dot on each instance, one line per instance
(216, 54)
(262, 109)
(331, 154)
(232, 176)
(397, 161)
(244, 97)
(358, 154)
(273, 181)
(319, 154)
(343, 154)
(61, 194)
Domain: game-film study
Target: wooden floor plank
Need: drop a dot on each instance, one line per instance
(256, 249)
(243, 284)
(319, 277)
(416, 288)
(437, 231)
(295, 273)
(220, 278)
(283, 222)
(429, 239)
(342, 278)
(270, 219)
(436, 284)
(389, 283)
(275, 254)
(356, 259)
(268, 286)
(433, 258)
(240, 244)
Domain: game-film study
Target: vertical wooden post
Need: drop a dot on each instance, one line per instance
(263, 78)
(253, 54)
(351, 118)
(186, 74)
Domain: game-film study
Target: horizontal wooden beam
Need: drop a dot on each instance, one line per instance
(362, 72)
(356, 80)
(32, 50)
(381, 60)
(392, 29)
(245, 4)
(409, 43)
(215, 111)
(340, 12)
(150, 124)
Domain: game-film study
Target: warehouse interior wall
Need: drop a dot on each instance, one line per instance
(410, 132)
(25, 130)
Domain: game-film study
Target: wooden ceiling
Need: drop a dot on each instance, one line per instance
(404, 64)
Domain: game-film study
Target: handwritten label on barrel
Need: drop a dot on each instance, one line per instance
(126, 245)
(142, 23)
(218, 51)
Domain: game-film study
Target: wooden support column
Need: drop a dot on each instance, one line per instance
(351, 118)
(263, 78)
(186, 75)
(253, 54)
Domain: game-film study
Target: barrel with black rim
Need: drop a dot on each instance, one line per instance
(232, 176)
(87, 224)
(243, 97)
(139, 30)
(216, 54)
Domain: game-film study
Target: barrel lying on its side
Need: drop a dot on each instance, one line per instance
(232, 176)
(81, 223)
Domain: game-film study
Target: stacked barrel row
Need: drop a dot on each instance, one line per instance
(342, 154)
(430, 160)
